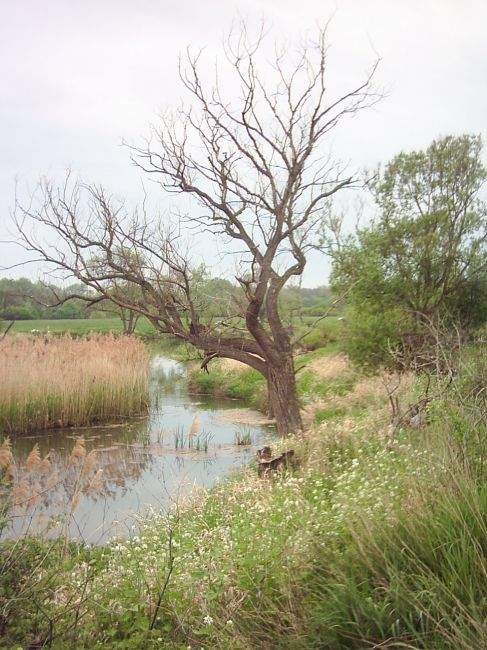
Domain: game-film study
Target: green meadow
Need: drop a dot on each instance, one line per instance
(76, 327)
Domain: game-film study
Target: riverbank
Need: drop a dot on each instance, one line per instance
(371, 541)
(322, 376)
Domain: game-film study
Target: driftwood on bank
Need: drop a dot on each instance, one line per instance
(267, 463)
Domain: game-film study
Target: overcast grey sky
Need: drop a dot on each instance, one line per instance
(77, 76)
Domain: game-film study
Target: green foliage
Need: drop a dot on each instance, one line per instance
(23, 299)
(423, 258)
(19, 312)
(370, 334)
(323, 333)
(243, 383)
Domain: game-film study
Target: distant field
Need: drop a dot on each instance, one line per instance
(315, 334)
(76, 326)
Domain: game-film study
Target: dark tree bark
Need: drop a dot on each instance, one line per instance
(130, 319)
(282, 396)
(255, 167)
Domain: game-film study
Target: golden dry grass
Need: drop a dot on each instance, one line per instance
(232, 365)
(329, 367)
(66, 381)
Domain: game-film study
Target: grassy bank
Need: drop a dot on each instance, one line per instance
(321, 374)
(62, 381)
(227, 378)
(370, 542)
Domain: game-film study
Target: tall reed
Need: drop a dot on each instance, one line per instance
(62, 382)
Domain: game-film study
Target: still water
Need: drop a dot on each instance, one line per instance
(186, 441)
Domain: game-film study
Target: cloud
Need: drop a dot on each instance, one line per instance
(77, 77)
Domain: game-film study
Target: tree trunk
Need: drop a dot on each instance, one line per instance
(283, 398)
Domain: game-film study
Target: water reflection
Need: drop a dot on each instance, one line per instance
(141, 462)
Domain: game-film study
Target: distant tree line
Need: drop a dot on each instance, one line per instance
(23, 299)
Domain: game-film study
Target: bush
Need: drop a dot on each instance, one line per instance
(328, 331)
(70, 310)
(20, 312)
(370, 336)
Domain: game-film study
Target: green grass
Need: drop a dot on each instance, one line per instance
(311, 387)
(247, 384)
(369, 543)
(420, 582)
(364, 546)
(77, 327)
(325, 415)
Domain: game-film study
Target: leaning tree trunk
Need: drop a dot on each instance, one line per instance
(283, 400)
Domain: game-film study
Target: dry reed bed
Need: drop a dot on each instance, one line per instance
(61, 382)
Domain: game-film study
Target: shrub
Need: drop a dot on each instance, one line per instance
(18, 312)
(326, 332)
(371, 336)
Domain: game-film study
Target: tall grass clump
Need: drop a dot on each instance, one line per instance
(61, 382)
(228, 378)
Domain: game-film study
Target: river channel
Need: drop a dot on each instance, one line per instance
(185, 441)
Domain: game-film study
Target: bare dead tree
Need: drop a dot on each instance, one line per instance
(259, 176)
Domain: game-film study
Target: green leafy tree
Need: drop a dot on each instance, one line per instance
(22, 299)
(423, 258)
